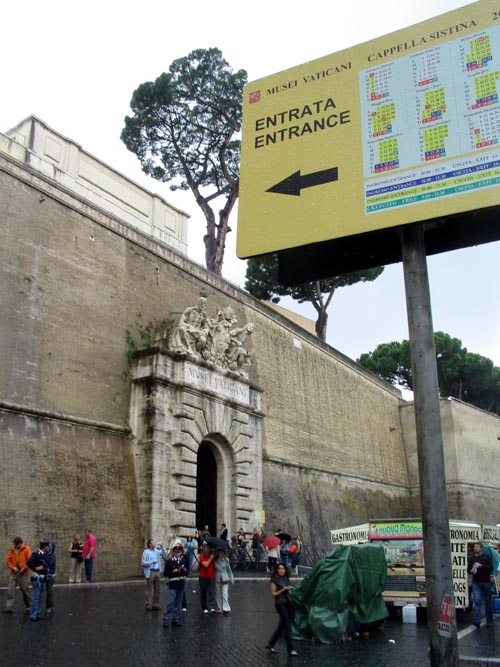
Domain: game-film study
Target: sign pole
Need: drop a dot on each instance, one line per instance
(433, 496)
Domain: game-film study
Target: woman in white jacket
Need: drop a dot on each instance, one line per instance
(223, 577)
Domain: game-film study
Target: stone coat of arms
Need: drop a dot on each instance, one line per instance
(215, 340)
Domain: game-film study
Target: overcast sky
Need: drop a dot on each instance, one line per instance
(76, 67)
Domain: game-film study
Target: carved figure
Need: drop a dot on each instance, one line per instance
(190, 333)
(212, 338)
(237, 355)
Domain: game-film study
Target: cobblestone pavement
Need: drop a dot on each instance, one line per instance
(106, 625)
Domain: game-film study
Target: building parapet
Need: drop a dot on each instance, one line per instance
(64, 161)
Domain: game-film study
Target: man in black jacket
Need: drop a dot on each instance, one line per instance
(176, 570)
(481, 568)
(38, 565)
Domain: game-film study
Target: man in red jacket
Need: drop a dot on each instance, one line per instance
(18, 574)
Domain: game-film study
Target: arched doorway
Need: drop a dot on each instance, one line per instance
(206, 489)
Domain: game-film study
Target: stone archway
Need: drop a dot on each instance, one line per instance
(178, 407)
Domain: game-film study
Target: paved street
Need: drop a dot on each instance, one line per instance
(106, 625)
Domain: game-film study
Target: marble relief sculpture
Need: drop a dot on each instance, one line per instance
(212, 339)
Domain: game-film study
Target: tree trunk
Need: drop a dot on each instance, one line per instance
(215, 238)
(321, 325)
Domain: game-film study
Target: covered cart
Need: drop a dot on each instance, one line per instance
(342, 592)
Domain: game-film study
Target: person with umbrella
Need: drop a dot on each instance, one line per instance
(223, 577)
(207, 578)
(272, 542)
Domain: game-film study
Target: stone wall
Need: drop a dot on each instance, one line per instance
(471, 452)
(74, 280)
(58, 477)
(310, 503)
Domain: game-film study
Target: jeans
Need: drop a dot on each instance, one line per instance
(174, 604)
(89, 566)
(38, 586)
(49, 598)
(207, 593)
(481, 590)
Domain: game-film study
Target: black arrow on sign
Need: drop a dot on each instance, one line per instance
(292, 185)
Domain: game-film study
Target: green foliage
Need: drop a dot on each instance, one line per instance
(146, 333)
(263, 283)
(391, 362)
(185, 128)
(464, 375)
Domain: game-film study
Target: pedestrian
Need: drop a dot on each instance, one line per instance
(272, 558)
(38, 566)
(151, 564)
(76, 559)
(176, 570)
(191, 546)
(480, 567)
(207, 580)
(173, 542)
(242, 547)
(89, 554)
(50, 561)
(223, 577)
(280, 590)
(284, 552)
(18, 574)
(294, 556)
(223, 532)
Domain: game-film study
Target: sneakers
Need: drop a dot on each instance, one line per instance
(212, 611)
(205, 611)
(478, 625)
(184, 609)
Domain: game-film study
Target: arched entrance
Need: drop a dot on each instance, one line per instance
(206, 489)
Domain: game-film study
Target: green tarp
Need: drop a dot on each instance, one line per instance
(347, 584)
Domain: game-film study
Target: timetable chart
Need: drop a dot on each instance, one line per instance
(442, 115)
(425, 68)
(479, 54)
(378, 84)
(434, 142)
(484, 129)
(485, 89)
(387, 156)
(382, 118)
(434, 105)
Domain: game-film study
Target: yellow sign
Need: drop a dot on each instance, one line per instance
(400, 129)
